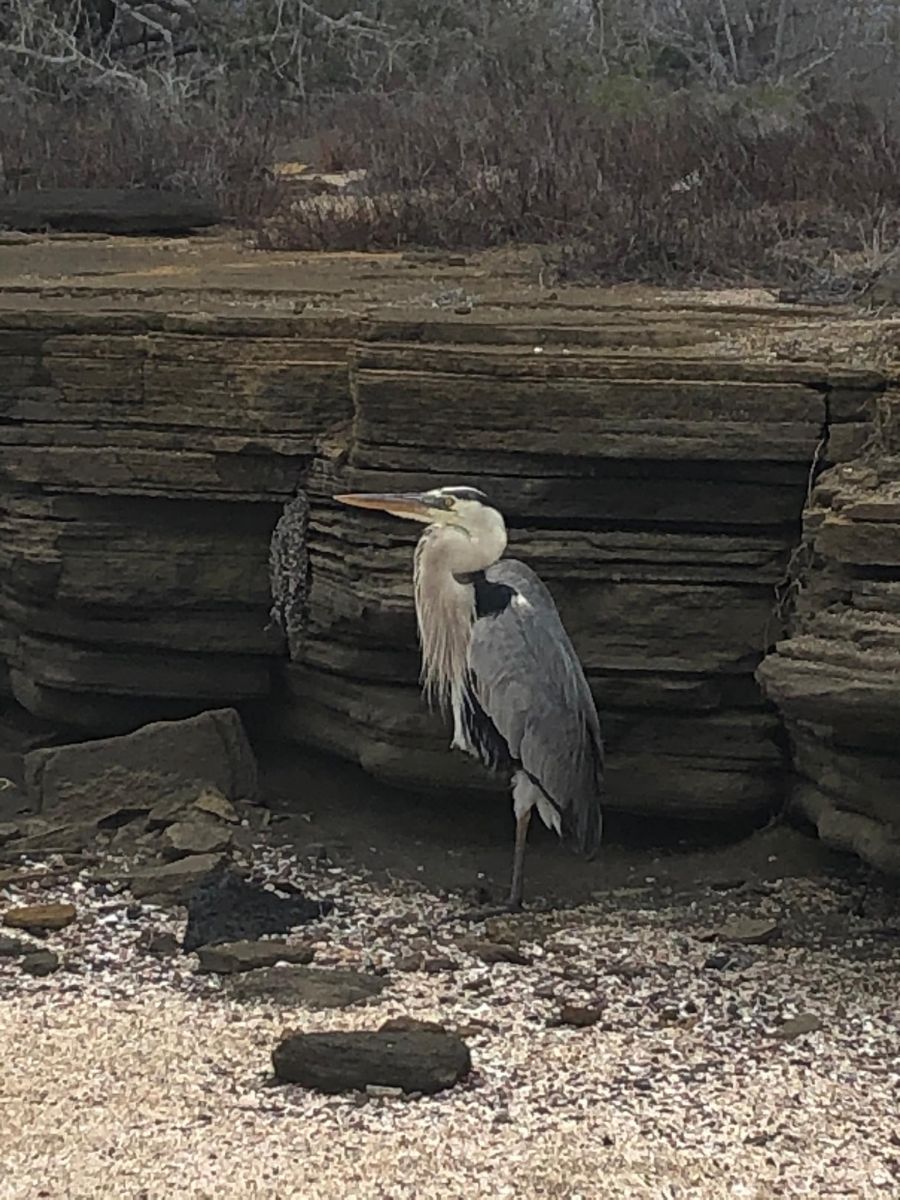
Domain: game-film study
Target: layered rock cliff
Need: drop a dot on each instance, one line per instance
(653, 472)
(659, 496)
(836, 678)
(145, 461)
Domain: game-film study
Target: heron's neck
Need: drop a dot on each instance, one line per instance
(445, 606)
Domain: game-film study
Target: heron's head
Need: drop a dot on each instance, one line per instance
(463, 507)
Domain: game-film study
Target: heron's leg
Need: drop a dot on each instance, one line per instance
(518, 870)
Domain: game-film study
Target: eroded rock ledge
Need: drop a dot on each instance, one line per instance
(147, 457)
(836, 678)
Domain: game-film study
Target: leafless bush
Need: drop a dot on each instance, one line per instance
(648, 138)
(667, 186)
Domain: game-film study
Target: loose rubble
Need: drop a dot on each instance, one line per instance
(612, 1051)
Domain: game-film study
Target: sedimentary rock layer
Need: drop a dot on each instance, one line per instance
(836, 678)
(147, 457)
(145, 460)
(658, 497)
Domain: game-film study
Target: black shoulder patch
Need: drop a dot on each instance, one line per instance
(490, 598)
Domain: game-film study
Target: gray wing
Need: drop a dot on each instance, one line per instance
(529, 681)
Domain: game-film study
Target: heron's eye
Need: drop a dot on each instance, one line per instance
(439, 500)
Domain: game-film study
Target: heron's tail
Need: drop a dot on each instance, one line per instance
(583, 820)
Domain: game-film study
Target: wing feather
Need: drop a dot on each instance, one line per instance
(528, 679)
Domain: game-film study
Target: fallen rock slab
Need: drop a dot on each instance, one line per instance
(309, 986)
(749, 931)
(746, 931)
(38, 836)
(415, 1061)
(172, 807)
(40, 916)
(91, 780)
(173, 882)
(213, 802)
(123, 211)
(196, 835)
(225, 907)
(230, 958)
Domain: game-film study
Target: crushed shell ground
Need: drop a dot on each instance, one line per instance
(127, 1076)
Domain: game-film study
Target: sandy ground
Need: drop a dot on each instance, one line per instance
(221, 273)
(128, 1076)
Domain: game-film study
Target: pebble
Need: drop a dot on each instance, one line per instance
(580, 1015)
(494, 952)
(40, 916)
(795, 1027)
(434, 966)
(10, 947)
(40, 963)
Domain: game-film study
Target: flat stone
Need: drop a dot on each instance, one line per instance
(11, 947)
(581, 1016)
(436, 966)
(173, 881)
(171, 808)
(795, 1027)
(130, 835)
(718, 960)
(309, 986)
(40, 916)
(230, 958)
(415, 1061)
(40, 963)
(90, 780)
(160, 943)
(748, 931)
(495, 952)
(59, 836)
(107, 210)
(410, 962)
(225, 907)
(213, 802)
(196, 835)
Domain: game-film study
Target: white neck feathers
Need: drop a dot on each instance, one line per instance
(445, 606)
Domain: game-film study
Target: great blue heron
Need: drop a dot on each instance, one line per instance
(495, 653)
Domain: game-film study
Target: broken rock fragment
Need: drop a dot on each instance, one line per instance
(414, 1061)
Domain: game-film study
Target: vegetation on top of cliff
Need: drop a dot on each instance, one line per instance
(635, 139)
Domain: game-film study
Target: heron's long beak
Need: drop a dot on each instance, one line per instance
(412, 505)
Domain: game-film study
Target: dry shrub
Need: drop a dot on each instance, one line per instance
(223, 153)
(670, 186)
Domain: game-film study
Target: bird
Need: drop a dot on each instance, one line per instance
(497, 659)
